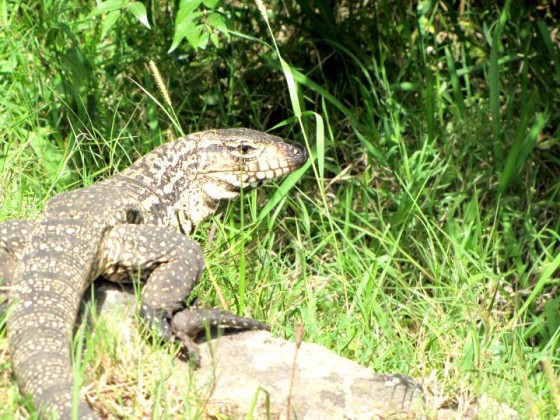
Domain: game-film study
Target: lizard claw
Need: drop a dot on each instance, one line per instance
(158, 324)
(157, 321)
(189, 347)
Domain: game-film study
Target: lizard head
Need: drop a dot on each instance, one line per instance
(232, 160)
(223, 163)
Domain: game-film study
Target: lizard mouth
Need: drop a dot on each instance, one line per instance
(268, 174)
(244, 180)
(296, 156)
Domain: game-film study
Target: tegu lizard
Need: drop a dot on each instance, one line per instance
(129, 226)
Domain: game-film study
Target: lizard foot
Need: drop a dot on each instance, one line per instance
(188, 323)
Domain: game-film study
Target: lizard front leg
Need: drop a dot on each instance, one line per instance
(171, 265)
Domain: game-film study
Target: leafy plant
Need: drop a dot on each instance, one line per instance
(198, 27)
(112, 10)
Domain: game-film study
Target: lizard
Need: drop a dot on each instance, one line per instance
(134, 224)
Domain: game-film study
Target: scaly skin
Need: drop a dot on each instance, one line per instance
(121, 228)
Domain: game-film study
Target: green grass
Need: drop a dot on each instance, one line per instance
(423, 236)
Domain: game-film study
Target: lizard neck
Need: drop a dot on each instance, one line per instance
(184, 181)
(176, 189)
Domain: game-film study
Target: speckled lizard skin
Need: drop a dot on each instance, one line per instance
(131, 225)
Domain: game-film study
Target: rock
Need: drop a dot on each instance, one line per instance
(256, 365)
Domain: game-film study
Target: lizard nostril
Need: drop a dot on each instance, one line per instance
(300, 153)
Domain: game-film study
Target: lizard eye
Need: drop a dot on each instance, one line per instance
(244, 149)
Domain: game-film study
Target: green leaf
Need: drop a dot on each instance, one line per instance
(547, 276)
(180, 33)
(292, 87)
(186, 9)
(203, 38)
(215, 39)
(320, 136)
(552, 316)
(217, 21)
(139, 11)
(283, 190)
(194, 34)
(108, 6)
(523, 143)
(211, 4)
(185, 28)
(53, 159)
(109, 21)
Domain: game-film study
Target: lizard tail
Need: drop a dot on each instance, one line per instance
(55, 269)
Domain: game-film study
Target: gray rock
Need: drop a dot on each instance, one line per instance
(256, 365)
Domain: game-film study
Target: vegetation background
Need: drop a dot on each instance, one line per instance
(423, 237)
